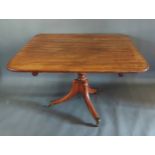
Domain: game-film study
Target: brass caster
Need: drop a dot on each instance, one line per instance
(51, 105)
(97, 121)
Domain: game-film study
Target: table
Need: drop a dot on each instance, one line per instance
(81, 54)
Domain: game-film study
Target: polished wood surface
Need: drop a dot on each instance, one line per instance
(79, 53)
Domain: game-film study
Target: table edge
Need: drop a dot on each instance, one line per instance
(88, 71)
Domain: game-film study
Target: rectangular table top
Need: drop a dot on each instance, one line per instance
(79, 53)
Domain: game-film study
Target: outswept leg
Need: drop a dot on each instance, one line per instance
(91, 108)
(72, 93)
(80, 85)
(92, 90)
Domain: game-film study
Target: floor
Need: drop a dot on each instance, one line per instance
(125, 108)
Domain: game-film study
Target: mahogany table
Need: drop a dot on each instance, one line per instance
(79, 53)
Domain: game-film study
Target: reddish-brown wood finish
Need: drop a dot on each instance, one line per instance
(79, 53)
(80, 85)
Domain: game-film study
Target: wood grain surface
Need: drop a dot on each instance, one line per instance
(79, 53)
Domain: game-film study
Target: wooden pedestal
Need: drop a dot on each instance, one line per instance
(80, 85)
